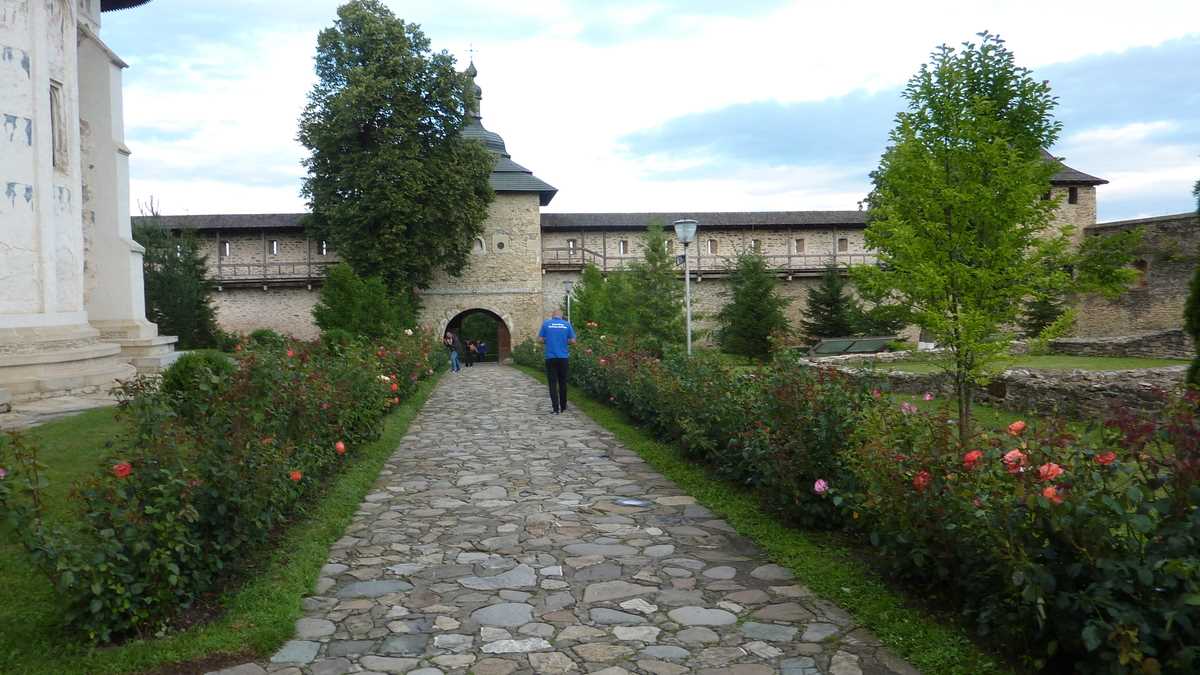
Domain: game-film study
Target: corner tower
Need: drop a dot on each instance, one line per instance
(504, 277)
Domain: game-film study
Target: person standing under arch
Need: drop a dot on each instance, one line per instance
(555, 335)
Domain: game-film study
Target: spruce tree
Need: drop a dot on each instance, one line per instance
(177, 290)
(1191, 312)
(754, 310)
(654, 305)
(831, 313)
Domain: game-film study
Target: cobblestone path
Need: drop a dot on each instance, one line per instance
(501, 539)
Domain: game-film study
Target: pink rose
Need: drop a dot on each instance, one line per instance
(972, 459)
(821, 486)
(1049, 471)
(928, 396)
(1015, 461)
(1016, 428)
(921, 480)
(1052, 493)
(1106, 458)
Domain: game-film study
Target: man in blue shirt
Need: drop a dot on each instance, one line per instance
(555, 335)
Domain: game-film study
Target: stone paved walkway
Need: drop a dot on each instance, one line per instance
(504, 540)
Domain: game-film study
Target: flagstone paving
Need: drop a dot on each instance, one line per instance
(503, 540)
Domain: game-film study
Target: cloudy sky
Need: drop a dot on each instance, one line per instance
(660, 105)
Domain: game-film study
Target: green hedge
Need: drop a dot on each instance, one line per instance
(210, 467)
(1081, 550)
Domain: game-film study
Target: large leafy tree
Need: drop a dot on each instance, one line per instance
(754, 310)
(178, 292)
(955, 211)
(392, 184)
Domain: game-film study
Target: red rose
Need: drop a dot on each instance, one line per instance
(921, 480)
(1016, 428)
(295, 476)
(291, 353)
(1049, 471)
(972, 459)
(1106, 458)
(339, 448)
(395, 387)
(122, 469)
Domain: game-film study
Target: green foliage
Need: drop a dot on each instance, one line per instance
(1191, 311)
(529, 353)
(194, 379)
(754, 311)
(1078, 545)
(266, 337)
(956, 215)
(182, 502)
(392, 184)
(1062, 326)
(653, 299)
(645, 300)
(362, 307)
(480, 326)
(1082, 544)
(830, 311)
(178, 293)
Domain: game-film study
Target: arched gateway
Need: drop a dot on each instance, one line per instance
(501, 347)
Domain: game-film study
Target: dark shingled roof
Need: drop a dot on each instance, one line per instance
(1068, 176)
(110, 5)
(507, 175)
(229, 221)
(711, 220)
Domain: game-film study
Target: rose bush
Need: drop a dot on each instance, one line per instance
(1081, 549)
(198, 485)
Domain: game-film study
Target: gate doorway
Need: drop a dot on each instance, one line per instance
(482, 324)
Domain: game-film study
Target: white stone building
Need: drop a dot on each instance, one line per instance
(72, 312)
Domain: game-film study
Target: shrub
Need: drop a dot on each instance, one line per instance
(185, 501)
(359, 306)
(528, 353)
(195, 379)
(1081, 544)
(1084, 544)
(265, 337)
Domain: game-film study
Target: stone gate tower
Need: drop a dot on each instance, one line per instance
(504, 277)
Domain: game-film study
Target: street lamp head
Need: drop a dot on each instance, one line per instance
(685, 231)
(568, 284)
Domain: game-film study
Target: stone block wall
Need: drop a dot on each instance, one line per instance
(1167, 344)
(287, 310)
(1081, 214)
(1168, 258)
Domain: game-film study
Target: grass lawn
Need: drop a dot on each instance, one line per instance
(1049, 362)
(257, 617)
(820, 561)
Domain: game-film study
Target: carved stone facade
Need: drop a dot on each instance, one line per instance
(72, 314)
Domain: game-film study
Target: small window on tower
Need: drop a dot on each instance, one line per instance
(623, 247)
(1143, 269)
(571, 245)
(756, 245)
(323, 248)
(712, 246)
(799, 246)
(843, 244)
(224, 249)
(1073, 195)
(274, 247)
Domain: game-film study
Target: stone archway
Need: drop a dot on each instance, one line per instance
(503, 346)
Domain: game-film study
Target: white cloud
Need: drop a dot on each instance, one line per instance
(561, 103)
(1128, 133)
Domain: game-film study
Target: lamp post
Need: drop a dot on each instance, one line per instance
(567, 287)
(685, 232)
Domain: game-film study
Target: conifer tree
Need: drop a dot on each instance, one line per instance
(654, 302)
(754, 310)
(363, 307)
(830, 313)
(1191, 312)
(177, 290)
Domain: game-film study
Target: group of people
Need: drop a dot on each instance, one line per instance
(460, 356)
(556, 335)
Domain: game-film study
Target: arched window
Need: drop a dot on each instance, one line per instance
(480, 247)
